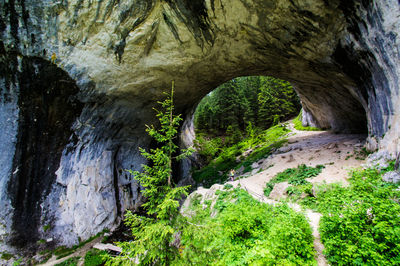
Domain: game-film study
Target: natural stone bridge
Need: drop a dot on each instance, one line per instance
(70, 129)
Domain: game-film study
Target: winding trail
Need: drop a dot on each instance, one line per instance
(339, 153)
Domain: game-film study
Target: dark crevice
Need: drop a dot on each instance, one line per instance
(193, 13)
(172, 27)
(116, 184)
(47, 109)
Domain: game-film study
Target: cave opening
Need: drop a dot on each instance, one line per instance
(225, 116)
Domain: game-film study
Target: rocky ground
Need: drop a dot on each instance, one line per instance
(339, 153)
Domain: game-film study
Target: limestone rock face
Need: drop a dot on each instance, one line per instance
(70, 127)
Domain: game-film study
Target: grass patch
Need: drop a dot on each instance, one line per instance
(246, 232)
(361, 222)
(94, 257)
(298, 124)
(6, 256)
(261, 145)
(69, 262)
(63, 251)
(46, 227)
(294, 176)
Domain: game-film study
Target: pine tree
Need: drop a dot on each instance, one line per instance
(155, 233)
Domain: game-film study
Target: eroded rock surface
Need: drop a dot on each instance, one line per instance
(115, 58)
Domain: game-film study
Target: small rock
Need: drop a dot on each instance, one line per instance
(378, 159)
(279, 191)
(331, 146)
(291, 158)
(255, 171)
(239, 171)
(254, 165)
(101, 246)
(303, 195)
(393, 177)
(49, 240)
(284, 149)
(246, 153)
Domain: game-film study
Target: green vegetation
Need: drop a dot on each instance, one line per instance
(154, 233)
(95, 257)
(261, 101)
(294, 176)
(298, 124)
(63, 251)
(69, 262)
(259, 146)
(361, 222)
(46, 227)
(245, 232)
(6, 256)
(236, 119)
(17, 262)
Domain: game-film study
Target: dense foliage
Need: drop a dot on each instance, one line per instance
(243, 231)
(95, 257)
(257, 145)
(361, 223)
(262, 101)
(294, 176)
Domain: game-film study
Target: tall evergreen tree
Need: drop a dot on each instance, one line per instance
(155, 233)
(257, 100)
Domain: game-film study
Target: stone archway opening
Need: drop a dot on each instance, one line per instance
(336, 111)
(341, 56)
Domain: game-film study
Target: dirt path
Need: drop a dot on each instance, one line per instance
(337, 152)
(80, 252)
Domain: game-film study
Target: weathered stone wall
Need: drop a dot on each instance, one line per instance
(118, 56)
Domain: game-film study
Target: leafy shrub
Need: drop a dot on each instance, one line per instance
(299, 125)
(361, 223)
(228, 186)
(207, 148)
(245, 231)
(294, 176)
(94, 257)
(6, 256)
(262, 145)
(69, 262)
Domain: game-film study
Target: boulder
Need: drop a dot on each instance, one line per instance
(392, 176)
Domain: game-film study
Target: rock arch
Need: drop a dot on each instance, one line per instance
(342, 57)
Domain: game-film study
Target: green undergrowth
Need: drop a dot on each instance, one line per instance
(239, 230)
(95, 257)
(261, 145)
(294, 176)
(6, 256)
(63, 251)
(299, 126)
(361, 222)
(69, 262)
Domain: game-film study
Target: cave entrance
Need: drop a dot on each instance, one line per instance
(245, 109)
